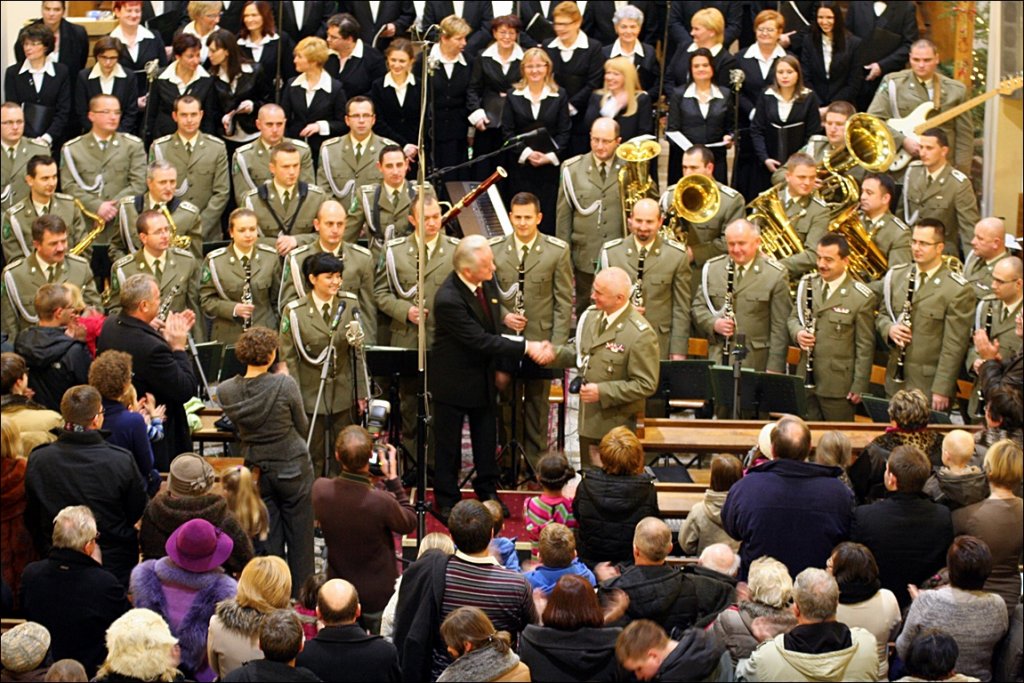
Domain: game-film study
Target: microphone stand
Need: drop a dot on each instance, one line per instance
(278, 82)
(325, 370)
(657, 109)
(739, 352)
(441, 172)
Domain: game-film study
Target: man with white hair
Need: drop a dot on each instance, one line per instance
(718, 561)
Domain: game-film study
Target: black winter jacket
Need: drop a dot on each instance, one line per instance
(56, 362)
(667, 596)
(608, 508)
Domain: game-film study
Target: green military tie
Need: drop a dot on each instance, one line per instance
(394, 198)
(103, 145)
(158, 271)
(286, 200)
(188, 148)
(10, 153)
(522, 260)
(326, 310)
(604, 172)
(359, 152)
(52, 277)
(603, 325)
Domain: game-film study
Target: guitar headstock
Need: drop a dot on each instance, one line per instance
(1008, 86)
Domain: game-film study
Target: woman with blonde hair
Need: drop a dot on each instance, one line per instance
(205, 18)
(140, 647)
(480, 652)
(766, 606)
(622, 99)
(16, 548)
(243, 496)
(449, 87)
(264, 586)
(707, 27)
(314, 103)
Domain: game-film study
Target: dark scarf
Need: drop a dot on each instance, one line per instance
(852, 592)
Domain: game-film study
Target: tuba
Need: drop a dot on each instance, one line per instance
(695, 200)
(867, 262)
(635, 181)
(867, 143)
(98, 226)
(778, 237)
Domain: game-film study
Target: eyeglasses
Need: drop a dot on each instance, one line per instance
(766, 30)
(919, 243)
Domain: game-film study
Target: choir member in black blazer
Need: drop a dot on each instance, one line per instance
(680, 21)
(758, 60)
(47, 107)
(629, 23)
(842, 77)
(242, 87)
(448, 85)
(141, 45)
(71, 43)
(183, 76)
(205, 18)
(394, 16)
(477, 13)
(107, 76)
(785, 116)
(231, 17)
(396, 98)
(622, 99)
(363, 64)
(314, 103)
(703, 112)
(314, 18)
(537, 102)
(707, 27)
(493, 73)
(578, 63)
(896, 17)
(263, 43)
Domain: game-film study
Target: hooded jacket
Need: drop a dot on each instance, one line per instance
(697, 657)
(703, 526)
(56, 362)
(957, 490)
(607, 508)
(837, 654)
(667, 596)
(586, 654)
(234, 636)
(268, 412)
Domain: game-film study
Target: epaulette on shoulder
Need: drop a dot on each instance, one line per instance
(817, 138)
(957, 278)
(900, 224)
(452, 240)
(558, 242)
(214, 139)
(494, 241)
(37, 144)
(301, 249)
(675, 245)
(394, 242)
(133, 138)
(819, 201)
(916, 162)
(728, 191)
(863, 289)
(292, 305)
(271, 250)
(810, 276)
(641, 324)
(315, 189)
(612, 243)
(189, 206)
(960, 177)
(220, 251)
(123, 261)
(182, 252)
(359, 249)
(18, 207)
(64, 196)
(130, 199)
(347, 295)
(245, 148)
(899, 266)
(333, 141)
(73, 141)
(716, 258)
(987, 298)
(75, 258)
(386, 141)
(16, 262)
(574, 160)
(299, 143)
(251, 193)
(165, 138)
(774, 264)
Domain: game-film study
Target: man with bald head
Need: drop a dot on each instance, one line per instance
(660, 270)
(988, 247)
(250, 166)
(467, 342)
(995, 329)
(616, 352)
(342, 650)
(760, 301)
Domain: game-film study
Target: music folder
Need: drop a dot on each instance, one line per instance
(494, 107)
(881, 44)
(38, 117)
(541, 142)
(790, 138)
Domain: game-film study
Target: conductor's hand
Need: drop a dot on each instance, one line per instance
(177, 328)
(389, 463)
(542, 353)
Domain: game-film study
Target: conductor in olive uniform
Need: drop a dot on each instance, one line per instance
(222, 290)
(616, 351)
(660, 270)
(994, 326)
(307, 328)
(42, 198)
(932, 188)
(349, 162)
(17, 150)
(940, 312)
(284, 205)
(760, 300)
(161, 179)
(250, 165)
(840, 316)
(539, 280)
(589, 209)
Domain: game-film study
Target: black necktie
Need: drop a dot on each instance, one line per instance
(604, 172)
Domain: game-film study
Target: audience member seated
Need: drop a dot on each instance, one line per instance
(719, 562)
(906, 532)
(818, 648)
(25, 648)
(703, 526)
(264, 586)
(480, 653)
(305, 604)
(432, 541)
(974, 618)
(141, 648)
(1004, 418)
(502, 547)
(189, 495)
(957, 483)
(185, 587)
(761, 452)
(56, 360)
(610, 501)
(16, 404)
(909, 413)
(557, 559)
(660, 592)
(932, 657)
(81, 468)
(573, 643)
(862, 600)
(280, 643)
(834, 449)
(790, 509)
(66, 670)
(16, 548)
(765, 601)
(342, 645)
(645, 650)
(999, 520)
(553, 473)
(71, 594)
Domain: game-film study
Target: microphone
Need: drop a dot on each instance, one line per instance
(516, 139)
(337, 316)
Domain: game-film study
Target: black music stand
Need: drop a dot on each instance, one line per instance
(877, 408)
(396, 363)
(783, 394)
(685, 380)
(722, 386)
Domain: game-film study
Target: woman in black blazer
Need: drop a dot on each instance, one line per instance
(708, 30)
(785, 117)
(314, 103)
(71, 43)
(110, 78)
(242, 87)
(396, 97)
(628, 22)
(447, 110)
(47, 107)
(183, 76)
(841, 77)
(580, 75)
(363, 64)
(703, 112)
(536, 101)
(622, 99)
(262, 42)
(493, 73)
(141, 46)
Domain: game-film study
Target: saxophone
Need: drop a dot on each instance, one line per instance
(810, 327)
(636, 296)
(908, 309)
(98, 226)
(247, 293)
(727, 308)
(181, 241)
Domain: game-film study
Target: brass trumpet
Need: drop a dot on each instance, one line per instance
(98, 226)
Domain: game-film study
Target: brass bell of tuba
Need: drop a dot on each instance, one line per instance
(695, 200)
(867, 262)
(635, 181)
(867, 143)
(778, 237)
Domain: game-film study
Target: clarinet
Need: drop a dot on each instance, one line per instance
(810, 326)
(988, 333)
(636, 297)
(165, 303)
(519, 302)
(908, 309)
(727, 307)
(247, 293)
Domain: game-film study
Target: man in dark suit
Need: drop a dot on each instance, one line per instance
(863, 19)
(72, 41)
(394, 18)
(160, 362)
(313, 19)
(466, 344)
